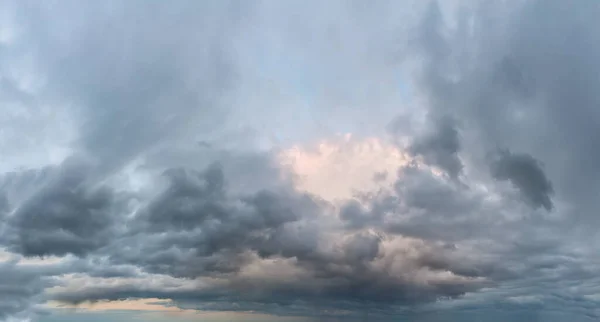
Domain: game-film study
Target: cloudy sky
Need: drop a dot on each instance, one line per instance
(299, 161)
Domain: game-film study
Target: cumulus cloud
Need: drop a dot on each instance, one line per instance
(66, 215)
(190, 153)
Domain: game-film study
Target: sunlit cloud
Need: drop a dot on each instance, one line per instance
(338, 167)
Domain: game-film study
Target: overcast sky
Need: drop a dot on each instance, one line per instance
(299, 161)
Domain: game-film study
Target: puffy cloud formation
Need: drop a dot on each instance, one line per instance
(165, 151)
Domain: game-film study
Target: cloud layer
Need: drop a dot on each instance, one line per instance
(173, 152)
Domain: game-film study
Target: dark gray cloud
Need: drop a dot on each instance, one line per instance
(66, 214)
(196, 229)
(526, 174)
(515, 85)
(108, 106)
(20, 291)
(518, 75)
(420, 204)
(197, 223)
(441, 147)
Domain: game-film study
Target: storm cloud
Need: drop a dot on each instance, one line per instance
(526, 174)
(142, 158)
(19, 291)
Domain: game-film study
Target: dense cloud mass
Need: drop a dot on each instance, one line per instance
(441, 147)
(142, 145)
(66, 215)
(525, 173)
(18, 290)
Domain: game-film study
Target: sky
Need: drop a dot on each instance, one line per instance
(299, 161)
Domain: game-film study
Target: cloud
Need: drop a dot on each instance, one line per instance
(503, 89)
(526, 174)
(21, 291)
(66, 215)
(487, 209)
(441, 147)
(267, 247)
(323, 168)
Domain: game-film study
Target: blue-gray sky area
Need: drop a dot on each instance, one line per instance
(299, 161)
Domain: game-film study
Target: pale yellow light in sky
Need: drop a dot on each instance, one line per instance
(154, 309)
(134, 305)
(336, 168)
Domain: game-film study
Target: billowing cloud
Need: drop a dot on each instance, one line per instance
(188, 154)
(339, 168)
(66, 215)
